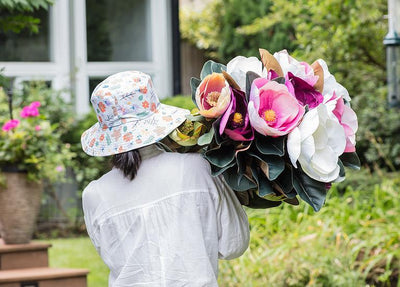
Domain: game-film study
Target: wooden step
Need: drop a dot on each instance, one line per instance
(43, 277)
(17, 256)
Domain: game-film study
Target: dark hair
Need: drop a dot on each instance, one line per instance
(128, 162)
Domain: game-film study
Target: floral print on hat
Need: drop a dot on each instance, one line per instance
(129, 115)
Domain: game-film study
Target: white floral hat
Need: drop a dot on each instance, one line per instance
(129, 115)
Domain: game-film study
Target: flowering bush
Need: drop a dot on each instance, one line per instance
(30, 143)
(276, 129)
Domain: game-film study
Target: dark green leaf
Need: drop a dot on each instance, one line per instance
(257, 202)
(222, 156)
(270, 145)
(280, 80)
(230, 176)
(194, 83)
(351, 160)
(275, 163)
(285, 182)
(342, 172)
(250, 77)
(215, 170)
(311, 191)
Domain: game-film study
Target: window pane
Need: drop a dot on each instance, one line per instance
(118, 30)
(26, 46)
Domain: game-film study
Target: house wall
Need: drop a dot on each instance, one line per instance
(69, 66)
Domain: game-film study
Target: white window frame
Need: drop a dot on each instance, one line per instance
(160, 66)
(57, 70)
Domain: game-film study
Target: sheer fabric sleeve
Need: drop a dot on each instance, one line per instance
(90, 202)
(233, 225)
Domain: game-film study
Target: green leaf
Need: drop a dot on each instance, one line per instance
(311, 191)
(217, 67)
(280, 80)
(222, 156)
(197, 118)
(215, 170)
(275, 163)
(194, 83)
(206, 138)
(264, 186)
(206, 70)
(250, 77)
(230, 176)
(351, 160)
(257, 202)
(270, 145)
(285, 182)
(342, 172)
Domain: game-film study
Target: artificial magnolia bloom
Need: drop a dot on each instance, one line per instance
(235, 122)
(239, 66)
(305, 93)
(273, 111)
(317, 143)
(300, 70)
(188, 133)
(331, 86)
(213, 95)
(347, 118)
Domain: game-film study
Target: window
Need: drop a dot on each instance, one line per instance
(27, 46)
(118, 30)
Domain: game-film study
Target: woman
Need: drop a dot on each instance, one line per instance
(157, 218)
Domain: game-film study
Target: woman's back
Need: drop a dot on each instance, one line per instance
(168, 226)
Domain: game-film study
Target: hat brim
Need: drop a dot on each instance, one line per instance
(98, 141)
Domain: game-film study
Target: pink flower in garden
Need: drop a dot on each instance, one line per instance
(31, 110)
(11, 124)
(37, 128)
(273, 111)
(59, 168)
(213, 95)
(348, 119)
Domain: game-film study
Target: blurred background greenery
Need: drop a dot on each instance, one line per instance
(354, 240)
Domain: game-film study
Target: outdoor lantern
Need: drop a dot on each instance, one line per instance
(392, 43)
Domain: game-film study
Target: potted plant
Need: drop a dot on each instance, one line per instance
(31, 152)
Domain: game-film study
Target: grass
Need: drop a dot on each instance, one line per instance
(79, 253)
(353, 241)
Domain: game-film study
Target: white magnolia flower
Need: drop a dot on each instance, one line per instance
(239, 66)
(331, 86)
(299, 69)
(317, 143)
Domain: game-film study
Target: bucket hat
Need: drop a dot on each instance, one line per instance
(130, 115)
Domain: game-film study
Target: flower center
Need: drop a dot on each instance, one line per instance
(269, 115)
(212, 98)
(237, 118)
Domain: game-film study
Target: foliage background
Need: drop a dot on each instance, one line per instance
(347, 34)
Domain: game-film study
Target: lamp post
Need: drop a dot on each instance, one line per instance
(392, 43)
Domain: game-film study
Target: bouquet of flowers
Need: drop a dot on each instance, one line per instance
(276, 129)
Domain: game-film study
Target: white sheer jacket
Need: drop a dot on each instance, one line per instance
(168, 226)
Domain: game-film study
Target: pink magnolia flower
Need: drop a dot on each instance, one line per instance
(273, 111)
(348, 119)
(30, 110)
(213, 95)
(11, 124)
(235, 122)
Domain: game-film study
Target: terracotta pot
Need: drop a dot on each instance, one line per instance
(19, 207)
